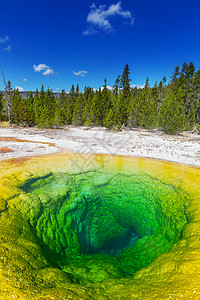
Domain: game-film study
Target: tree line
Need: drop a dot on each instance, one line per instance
(171, 107)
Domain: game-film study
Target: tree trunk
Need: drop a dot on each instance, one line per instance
(7, 97)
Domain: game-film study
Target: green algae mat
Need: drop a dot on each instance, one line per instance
(99, 227)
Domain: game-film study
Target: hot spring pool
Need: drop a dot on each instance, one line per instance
(98, 228)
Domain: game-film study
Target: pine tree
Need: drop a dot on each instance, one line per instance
(108, 122)
(172, 115)
(116, 85)
(108, 111)
(164, 80)
(190, 121)
(24, 112)
(48, 109)
(119, 126)
(196, 94)
(99, 109)
(125, 82)
(1, 107)
(147, 107)
(39, 107)
(60, 118)
(123, 101)
(106, 101)
(36, 101)
(31, 109)
(178, 104)
(175, 76)
(88, 115)
(70, 104)
(134, 115)
(77, 90)
(89, 106)
(16, 108)
(123, 109)
(186, 83)
(9, 96)
(92, 111)
(160, 94)
(78, 113)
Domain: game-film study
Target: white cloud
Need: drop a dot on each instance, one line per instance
(110, 88)
(19, 88)
(8, 48)
(25, 79)
(98, 17)
(81, 73)
(48, 72)
(43, 67)
(89, 31)
(57, 89)
(138, 86)
(4, 40)
(40, 67)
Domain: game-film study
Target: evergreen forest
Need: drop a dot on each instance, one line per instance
(171, 107)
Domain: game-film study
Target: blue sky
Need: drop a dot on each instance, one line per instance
(60, 43)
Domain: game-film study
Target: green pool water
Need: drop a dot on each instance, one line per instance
(63, 226)
(88, 219)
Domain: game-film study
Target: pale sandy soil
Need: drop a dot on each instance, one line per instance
(184, 149)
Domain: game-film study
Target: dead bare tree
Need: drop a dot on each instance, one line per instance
(7, 97)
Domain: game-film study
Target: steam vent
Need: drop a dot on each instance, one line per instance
(99, 227)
